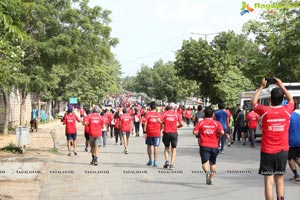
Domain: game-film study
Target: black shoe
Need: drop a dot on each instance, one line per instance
(93, 161)
(75, 153)
(166, 165)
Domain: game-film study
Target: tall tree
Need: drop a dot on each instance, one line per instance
(277, 32)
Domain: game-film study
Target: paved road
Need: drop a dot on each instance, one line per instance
(121, 176)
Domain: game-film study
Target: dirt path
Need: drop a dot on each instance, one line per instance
(22, 175)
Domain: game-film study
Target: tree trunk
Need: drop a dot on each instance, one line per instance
(39, 107)
(23, 108)
(6, 100)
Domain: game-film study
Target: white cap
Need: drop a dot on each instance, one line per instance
(172, 105)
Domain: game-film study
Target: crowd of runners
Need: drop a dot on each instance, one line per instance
(213, 128)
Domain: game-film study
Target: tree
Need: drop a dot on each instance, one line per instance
(11, 37)
(210, 64)
(278, 35)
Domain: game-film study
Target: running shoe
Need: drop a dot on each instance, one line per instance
(126, 151)
(208, 181)
(229, 144)
(95, 162)
(171, 167)
(86, 149)
(69, 154)
(75, 153)
(149, 163)
(244, 143)
(155, 164)
(295, 178)
(211, 181)
(166, 165)
(92, 162)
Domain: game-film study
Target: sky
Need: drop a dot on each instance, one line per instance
(149, 30)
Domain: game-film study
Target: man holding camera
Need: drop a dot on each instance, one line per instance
(274, 141)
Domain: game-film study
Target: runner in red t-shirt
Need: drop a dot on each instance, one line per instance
(274, 141)
(152, 133)
(252, 118)
(95, 122)
(188, 116)
(209, 131)
(171, 121)
(117, 131)
(125, 127)
(81, 112)
(71, 131)
(86, 130)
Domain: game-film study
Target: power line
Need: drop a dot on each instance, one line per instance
(148, 55)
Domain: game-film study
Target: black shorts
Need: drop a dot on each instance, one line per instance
(87, 136)
(294, 153)
(170, 138)
(243, 129)
(71, 136)
(209, 154)
(273, 163)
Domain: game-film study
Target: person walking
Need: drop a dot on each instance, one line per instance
(125, 127)
(96, 123)
(171, 122)
(235, 134)
(229, 125)
(274, 141)
(188, 116)
(294, 143)
(242, 124)
(86, 130)
(152, 133)
(252, 118)
(209, 132)
(137, 122)
(105, 127)
(222, 117)
(117, 132)
(71, 131)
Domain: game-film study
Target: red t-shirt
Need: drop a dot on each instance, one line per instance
(252, 118)
(170, 119)
(229, 116)
(96, 122)
(110, 117)
(117, 123)
(86, 127)
(188, 114)
(153, 126)
(70, 121)
(275, 127)
(126, 120)
(137, 117)
(208, 130)
(81, 111)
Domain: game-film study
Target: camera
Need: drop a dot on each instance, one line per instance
(270, 80)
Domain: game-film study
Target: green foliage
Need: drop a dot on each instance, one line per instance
(11, 147)
(277, 33)
(220, 68)
(162, 83)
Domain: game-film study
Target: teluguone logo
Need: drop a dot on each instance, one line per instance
(246, 8)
